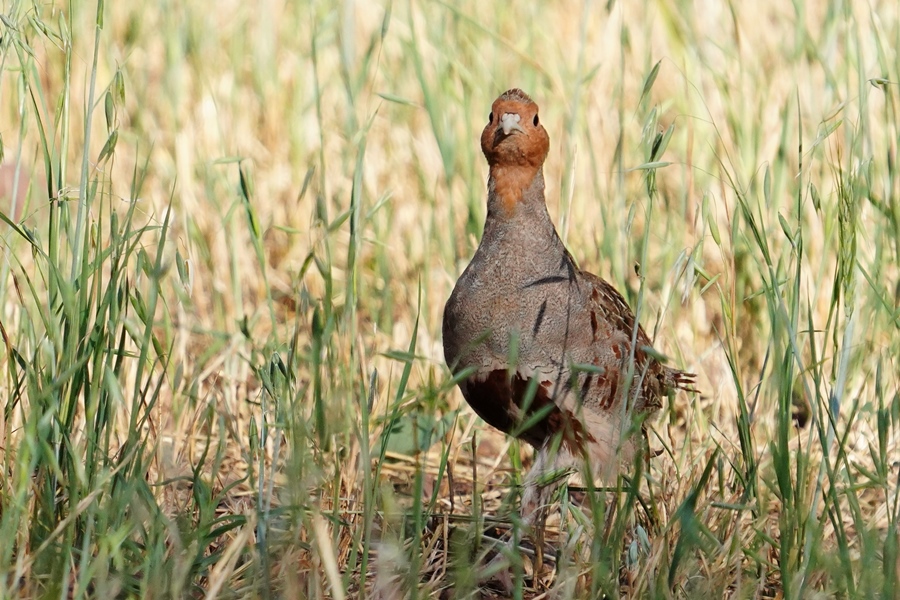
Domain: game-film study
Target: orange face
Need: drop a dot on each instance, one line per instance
(514, 135)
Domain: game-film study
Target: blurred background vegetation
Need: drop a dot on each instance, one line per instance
(229, 230)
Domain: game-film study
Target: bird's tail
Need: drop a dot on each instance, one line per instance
(681, 380)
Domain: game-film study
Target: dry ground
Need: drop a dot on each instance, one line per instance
(310, 188)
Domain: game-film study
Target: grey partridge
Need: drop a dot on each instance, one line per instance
(553, 354)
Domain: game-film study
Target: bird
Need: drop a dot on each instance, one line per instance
(543, 350)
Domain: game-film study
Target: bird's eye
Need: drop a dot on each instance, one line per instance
(491, 118)
(535, 120)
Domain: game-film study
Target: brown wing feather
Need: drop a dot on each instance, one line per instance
(658, 380)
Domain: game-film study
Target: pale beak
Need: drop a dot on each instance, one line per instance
(509, 122)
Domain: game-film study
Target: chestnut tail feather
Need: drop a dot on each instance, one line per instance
(681, 380)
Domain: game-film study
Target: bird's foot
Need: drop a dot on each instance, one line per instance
(513, 565)
(498, 575)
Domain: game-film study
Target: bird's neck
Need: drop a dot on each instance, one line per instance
(513, 188)
(517, 215)
(519, 238)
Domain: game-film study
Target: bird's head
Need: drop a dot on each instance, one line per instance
(514, 136)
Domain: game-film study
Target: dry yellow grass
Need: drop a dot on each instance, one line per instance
(372, 112)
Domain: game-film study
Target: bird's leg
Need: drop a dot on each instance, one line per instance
(551, 465)
(550, 468)
(534, 507)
